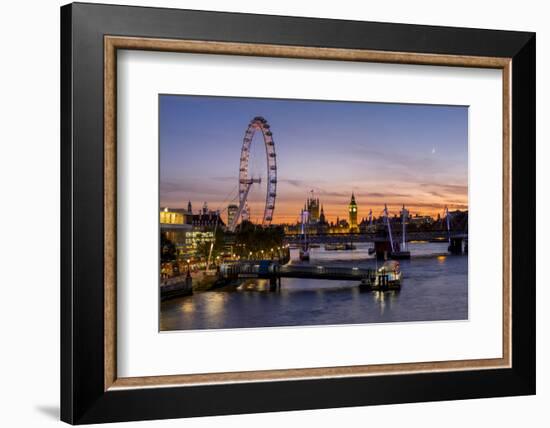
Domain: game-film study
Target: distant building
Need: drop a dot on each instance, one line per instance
(231, 213)
(312, 206)
(186, 238)
(195, 238)
(186, 230)
(352, 211)
(322, 218)
(367, 225)
(343, 225)
(421, 220)
(207, 220)
(168, 216)
(204, 219)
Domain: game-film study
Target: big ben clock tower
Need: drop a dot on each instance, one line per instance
(352, 214)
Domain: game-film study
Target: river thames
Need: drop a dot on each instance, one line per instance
(434, 288)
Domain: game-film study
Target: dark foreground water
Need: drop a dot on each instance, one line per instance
(434, 287)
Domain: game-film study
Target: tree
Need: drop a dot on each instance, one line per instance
(203, 248)
(255, 238)
(167, 249)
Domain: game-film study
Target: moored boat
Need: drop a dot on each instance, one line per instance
(387, 277)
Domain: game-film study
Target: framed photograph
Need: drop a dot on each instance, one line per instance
(266, 213)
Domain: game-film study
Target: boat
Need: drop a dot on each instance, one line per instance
(387, 277)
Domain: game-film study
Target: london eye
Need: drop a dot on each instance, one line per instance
(246, 179)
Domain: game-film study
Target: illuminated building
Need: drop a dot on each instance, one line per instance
(352, 209)
(171, 217)
(312, 206)
(231, 213)
(173, 224)
(417, 219)
(196, 237)
(186, 238)
(187, 231)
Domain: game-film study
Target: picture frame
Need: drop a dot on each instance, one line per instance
(91, 391)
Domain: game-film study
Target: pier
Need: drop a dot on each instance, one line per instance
(176, 286)
(265, 269)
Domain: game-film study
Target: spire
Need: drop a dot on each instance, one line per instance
(189, 207)
(352, 198)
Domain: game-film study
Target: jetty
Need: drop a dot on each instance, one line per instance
(387, 277)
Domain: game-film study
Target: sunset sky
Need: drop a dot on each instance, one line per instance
(397, 154)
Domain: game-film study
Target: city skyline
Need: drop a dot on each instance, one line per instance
(392, 154)
(362, 214)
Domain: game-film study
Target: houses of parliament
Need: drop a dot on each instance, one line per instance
(317, 222)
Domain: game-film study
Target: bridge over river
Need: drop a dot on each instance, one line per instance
(335, 238)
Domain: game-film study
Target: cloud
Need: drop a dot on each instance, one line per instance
(392, 158)
(294, 182)
(170, 187)
(448, 188)
(226, 178)
(436, 194)
(441, 206)
(382, 195)
(193, 189)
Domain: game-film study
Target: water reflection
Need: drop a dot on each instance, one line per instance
(434, 288)
(187, 306)
(385, 297)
